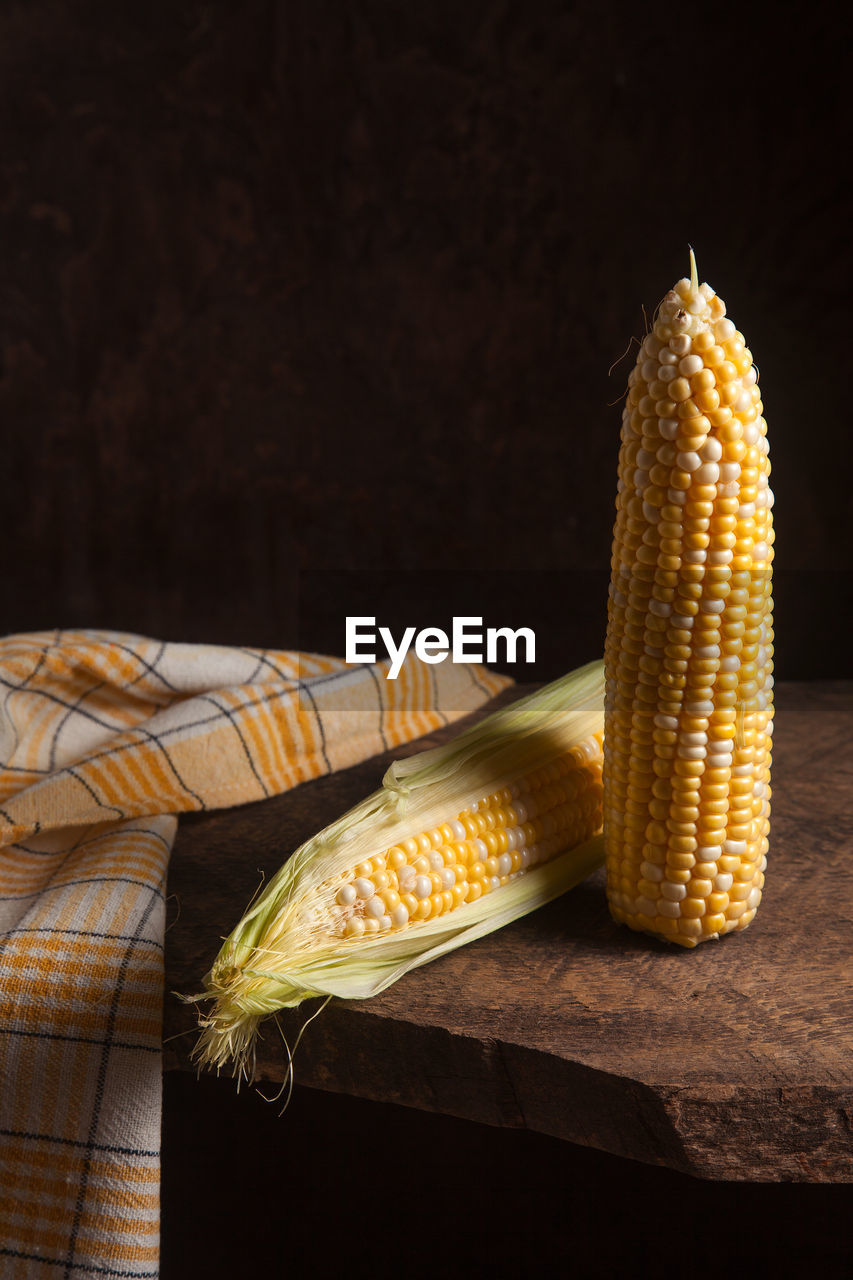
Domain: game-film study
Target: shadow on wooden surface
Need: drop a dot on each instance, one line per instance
(340, 1187)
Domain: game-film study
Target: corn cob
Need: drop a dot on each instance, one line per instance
(688, 655)
(458, 841)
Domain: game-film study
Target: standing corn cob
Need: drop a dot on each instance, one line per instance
(688, 658)
(458, 841)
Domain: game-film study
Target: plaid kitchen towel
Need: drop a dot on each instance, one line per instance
(103, 737)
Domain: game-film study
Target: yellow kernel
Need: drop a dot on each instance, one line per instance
(410, 902)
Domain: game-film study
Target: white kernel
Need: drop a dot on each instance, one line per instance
(697, 739)
(675, 892)
(706, 651)
(645, 459)
(720, 555)
(495, 882)
(715, 761)
(761, 551)
(474, 806)
(695, 555)
(480, 850)
(525, 858)
(448, 877)
(667, 372)
(375, 907)
(640, 479)
(680, 344)
(723, 882)
(711, 450)
(708, 473)
(735, 848)
(706, 853)
(534, 853)
(645, 907)
(384, 922)
(457, 828)
(690, 365)
(371, 925)
(754, 898)
(651, 871)
(728, 489)
(400, 915)
(423, 887)
(713, 606)
(770, 498)
(722, 747)
(660, 608)
(743, 402)
(355, 927)
(667, 908)
(682, 622)
(677, 497)
(347, 895)
(729, 471)
(665, 722)
(699, 709)
(668, 428)
(690, 753)
(436, 861)
(511, 838)
(667, 357)
(689, 460)
(650, 512)
(521, 812)
(504, 864)
(751, 434)
(731, 662)
(649, 370)
(742, 771)
(406, 875)
(364, 888)
(723, 330)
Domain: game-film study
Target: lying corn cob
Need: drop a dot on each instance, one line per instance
(458, 841)
(688, 657)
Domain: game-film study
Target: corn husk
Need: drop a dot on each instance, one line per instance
(279, 954)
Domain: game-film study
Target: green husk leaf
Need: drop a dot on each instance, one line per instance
(279, 955)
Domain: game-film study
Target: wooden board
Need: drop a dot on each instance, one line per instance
(734, 1060)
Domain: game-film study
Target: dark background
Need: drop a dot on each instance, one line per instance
(307, 308)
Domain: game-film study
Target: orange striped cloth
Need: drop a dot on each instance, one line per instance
(103, 737)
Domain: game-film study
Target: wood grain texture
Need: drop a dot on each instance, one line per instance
(282, 283)
(733, 1061)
